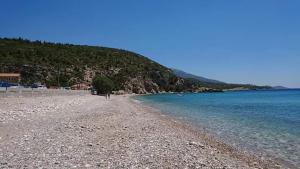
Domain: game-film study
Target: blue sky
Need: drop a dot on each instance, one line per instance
(240, 41)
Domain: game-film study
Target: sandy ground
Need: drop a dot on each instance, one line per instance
(91, 132)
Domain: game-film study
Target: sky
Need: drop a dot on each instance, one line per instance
(235, 41)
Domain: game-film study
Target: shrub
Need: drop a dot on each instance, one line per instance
(103, 84)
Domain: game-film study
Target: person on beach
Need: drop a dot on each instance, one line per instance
(107, 95)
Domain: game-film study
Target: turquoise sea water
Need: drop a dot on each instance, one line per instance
(264, 122)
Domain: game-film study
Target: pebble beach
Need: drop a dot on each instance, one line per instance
(91, 132)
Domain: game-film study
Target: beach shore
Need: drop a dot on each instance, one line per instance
(91, 132)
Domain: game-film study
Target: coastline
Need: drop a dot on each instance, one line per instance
(91, 132)
(280, 150)
(252, 160)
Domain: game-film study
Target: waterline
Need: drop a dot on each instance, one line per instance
(265, 122)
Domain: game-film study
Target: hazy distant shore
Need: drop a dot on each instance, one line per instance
(91, 132)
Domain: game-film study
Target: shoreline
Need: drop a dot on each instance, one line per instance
(253, 160)
(269, 159)
(91, 132)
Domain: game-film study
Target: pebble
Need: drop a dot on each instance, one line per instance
(87, 165)
(196, 144)
(57, 130)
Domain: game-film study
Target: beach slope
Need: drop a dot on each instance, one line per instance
(91, 132)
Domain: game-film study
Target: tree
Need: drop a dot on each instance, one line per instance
(102, 84)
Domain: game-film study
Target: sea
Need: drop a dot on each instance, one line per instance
(263, 122)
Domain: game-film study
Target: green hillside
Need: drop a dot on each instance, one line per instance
(63, 65)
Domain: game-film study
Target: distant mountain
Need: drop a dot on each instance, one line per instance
(279, 87)
(183, 74)
(191, 81)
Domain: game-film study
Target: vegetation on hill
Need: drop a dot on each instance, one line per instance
(63, 65)
(56, 64)
(191, 84)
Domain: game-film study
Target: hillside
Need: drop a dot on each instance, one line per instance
(63, 65)
(194, 82)
(279, 88)
(57, 64)
(186, 75)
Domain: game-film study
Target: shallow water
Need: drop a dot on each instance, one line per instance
(264, 122)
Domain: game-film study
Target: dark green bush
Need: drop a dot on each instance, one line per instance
(103, 84)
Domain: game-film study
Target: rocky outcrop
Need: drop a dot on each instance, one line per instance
(179, 82)
(141, 86)
(135, 86)
(151, 87)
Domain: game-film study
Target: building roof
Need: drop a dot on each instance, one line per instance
(10, 74)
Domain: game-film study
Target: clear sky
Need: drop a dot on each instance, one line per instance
(240, 41)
